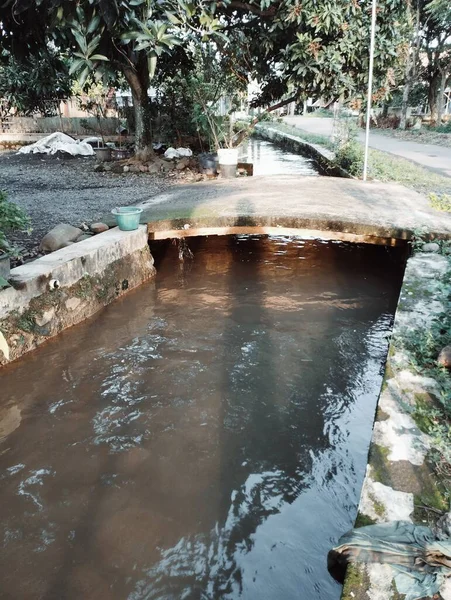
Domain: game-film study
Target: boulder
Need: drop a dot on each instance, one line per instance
(444, 358)
(430, 247)
(167, 166)
(99, 227)
(85, 236)
(183, 163)
(154, 168)
(59, 237)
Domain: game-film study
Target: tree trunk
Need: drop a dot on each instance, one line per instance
(411, 67)
(433, 94)
(441, 98)
(405, 104)
(138, 80)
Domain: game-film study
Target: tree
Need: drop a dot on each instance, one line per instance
(294, 49)
(314, 48)
(105, 38)
(412, 57)
(436, 17)
(37, 84)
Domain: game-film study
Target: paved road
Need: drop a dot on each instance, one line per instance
(435, 158)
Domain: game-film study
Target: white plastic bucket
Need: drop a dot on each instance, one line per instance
(228, 156)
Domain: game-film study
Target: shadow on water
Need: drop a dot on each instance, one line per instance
(204, 437)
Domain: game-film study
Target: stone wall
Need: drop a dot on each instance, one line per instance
(400, 479)
(68, 286)
(70, 125)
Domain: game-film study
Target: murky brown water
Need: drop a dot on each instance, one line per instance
(203, 437)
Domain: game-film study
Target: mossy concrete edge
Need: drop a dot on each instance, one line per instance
(324, 158)
(68, 286)
(399, 475)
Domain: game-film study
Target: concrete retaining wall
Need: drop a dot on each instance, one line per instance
(66, 287)
(400, 477)
(324, 158)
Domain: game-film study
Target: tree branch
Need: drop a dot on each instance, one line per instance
(270, 12)
(242, 134)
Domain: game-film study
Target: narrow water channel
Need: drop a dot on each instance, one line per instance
(203, 437)
(270, 159)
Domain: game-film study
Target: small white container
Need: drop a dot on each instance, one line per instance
(228, 156)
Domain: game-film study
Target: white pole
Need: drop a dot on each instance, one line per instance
(370, 89)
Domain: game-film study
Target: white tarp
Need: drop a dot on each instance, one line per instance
(177, 153)
(58, 142)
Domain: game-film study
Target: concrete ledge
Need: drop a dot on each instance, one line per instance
(322, 156)
(65, 287)
(400, 477)
(373, 209)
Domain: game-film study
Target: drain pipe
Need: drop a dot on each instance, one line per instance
(370, 89)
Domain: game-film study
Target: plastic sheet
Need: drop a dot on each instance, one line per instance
(58, 142)
(177, 153)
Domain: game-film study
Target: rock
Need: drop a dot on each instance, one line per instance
(73, 303)
(107, 167)
(154, 168)
(99, 168)
(444, 358)
(83, 237)
(59, 237)
(143, 169)
(181, 164)
(46, 317)
(167, 166)
(430, 247)
(133, 168)
(126, 169)
(99, 227)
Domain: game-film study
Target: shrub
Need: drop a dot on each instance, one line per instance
(350, 157)
(12, 218)
(445, 128)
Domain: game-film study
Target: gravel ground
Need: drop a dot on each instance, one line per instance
(53, 190)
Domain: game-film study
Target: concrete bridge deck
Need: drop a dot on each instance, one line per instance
(340, 208)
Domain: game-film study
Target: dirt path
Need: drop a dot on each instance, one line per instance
(53, 190)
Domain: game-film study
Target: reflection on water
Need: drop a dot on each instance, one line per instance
(203, 437)
(269, 159)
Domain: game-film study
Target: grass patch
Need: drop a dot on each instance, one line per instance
(440, 201)
(311, 138)
(364, 520)
(381, 165)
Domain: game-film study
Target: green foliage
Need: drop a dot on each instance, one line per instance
(445, 128)
(440, 201)
(37, 84)
(315, 48)
(350, 157)
(302, 49)
(189, 102)
(12, 218)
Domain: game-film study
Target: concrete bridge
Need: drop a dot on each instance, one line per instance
(329, 207)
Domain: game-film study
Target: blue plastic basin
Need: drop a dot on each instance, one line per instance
(127, 217)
